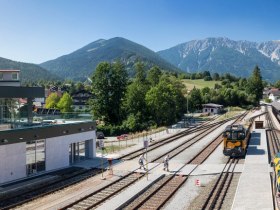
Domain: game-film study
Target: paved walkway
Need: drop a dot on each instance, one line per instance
(254, 187)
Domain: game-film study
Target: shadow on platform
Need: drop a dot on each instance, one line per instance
(255, 139)
(253, 150)
(96, 162)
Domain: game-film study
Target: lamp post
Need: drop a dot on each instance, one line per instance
(146, 144)
(187, 105)
(101, 144)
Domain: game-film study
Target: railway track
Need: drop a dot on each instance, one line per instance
(98, 197)
(24, 196)
(274, 146)
(155, 145)
(219, 191)
(158, 194)
(205, 151)
(17, 199)
(273, 140)
(180, 148)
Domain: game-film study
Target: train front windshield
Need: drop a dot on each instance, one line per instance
(234, 135)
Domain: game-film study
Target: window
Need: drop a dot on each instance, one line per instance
(1, 76)
(77, 152)
(14, 76)
(234, 135)
(35, 156)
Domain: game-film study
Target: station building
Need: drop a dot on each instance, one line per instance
(29, 148)
(212, 108)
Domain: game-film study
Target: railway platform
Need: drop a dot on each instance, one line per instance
(254, 187)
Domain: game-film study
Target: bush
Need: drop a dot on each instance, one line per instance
(113, 130)
(267, 100)
(208, 78)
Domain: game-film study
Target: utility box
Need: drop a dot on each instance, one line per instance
(258, 124)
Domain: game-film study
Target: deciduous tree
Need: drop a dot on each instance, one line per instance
(109, 83)
(65, 103)
(52, 101)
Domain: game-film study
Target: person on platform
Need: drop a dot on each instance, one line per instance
(141, 161)
(166, 163)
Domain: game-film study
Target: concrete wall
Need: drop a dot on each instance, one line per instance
(208, 110)
(57, 148)
(12, 162)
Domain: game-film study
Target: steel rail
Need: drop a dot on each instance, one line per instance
(214, 195)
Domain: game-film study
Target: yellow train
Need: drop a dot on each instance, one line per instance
(235, 140)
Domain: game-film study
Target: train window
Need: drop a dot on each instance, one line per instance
(234, 135)
(227, 134)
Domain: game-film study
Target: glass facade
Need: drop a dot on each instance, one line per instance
(7, 110)
(77, 152)
(35, 156)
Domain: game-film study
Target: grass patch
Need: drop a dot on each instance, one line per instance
(199, 83)
(229, 115)
(114, 148)
(236, 108)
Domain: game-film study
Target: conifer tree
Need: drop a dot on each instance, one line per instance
(255, 84)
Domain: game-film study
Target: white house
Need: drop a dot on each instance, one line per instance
(212, 108)
(274, 94)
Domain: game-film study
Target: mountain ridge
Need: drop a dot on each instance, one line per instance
(225, 55)
(88, 57)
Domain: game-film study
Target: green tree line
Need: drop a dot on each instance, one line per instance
(233, 91)
(152, 98)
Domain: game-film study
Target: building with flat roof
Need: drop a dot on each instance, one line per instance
(29, 147)
(9, 78)
(212, 108)
(42, 148)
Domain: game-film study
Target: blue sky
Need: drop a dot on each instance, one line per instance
(39, 30)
